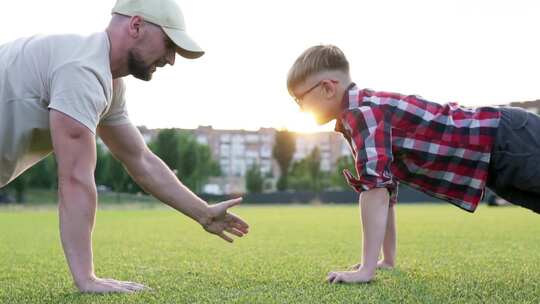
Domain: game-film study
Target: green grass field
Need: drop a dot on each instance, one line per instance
(445, 255)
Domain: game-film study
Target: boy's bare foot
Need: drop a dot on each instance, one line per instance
(359, 276)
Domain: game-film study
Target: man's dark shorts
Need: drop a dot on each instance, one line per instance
(514, 169)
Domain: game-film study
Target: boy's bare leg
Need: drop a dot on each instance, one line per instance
(374, 208)
(389, 244)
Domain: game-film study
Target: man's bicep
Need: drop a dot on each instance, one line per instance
(73, 143)
(77, 92)
(124, 141)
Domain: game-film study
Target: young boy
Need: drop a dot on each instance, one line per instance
(446, 151)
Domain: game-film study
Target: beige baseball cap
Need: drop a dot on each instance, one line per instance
(166, 14)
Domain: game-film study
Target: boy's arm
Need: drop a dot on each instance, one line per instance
(374, 206)
(389, 243)
(390, 239)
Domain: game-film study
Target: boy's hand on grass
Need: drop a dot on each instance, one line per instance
(221, 221)
(382, 264)
(97, 285)
(362, 275)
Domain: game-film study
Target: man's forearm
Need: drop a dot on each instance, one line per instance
(153, 175)
(77, 208)
(374, 207)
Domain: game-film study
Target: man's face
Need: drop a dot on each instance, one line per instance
(154, 49)
(318, 98)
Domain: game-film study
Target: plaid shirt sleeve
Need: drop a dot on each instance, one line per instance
(370, 135)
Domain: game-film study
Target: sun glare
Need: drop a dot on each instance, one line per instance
(305, 123)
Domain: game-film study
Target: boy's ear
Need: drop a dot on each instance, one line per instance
(329, 88)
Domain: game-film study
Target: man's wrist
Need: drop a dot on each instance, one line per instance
(83, 281)
(204, 218)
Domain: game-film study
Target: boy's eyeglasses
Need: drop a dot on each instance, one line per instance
(301, 96)
(298, 98)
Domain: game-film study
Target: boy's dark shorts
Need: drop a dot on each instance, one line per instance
(514, 168)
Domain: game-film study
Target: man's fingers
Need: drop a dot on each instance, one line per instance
(131, 286)
(235, 232)
(123, 282)
(225, 237)
(231, 203)
(240, 227)
(114, 287)
(239, 222)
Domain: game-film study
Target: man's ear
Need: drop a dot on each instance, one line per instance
(135, 26)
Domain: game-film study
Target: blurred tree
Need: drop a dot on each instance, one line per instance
(306, 174)
(167, 145)
(254, 179)
(42, 175)
(337, 178)
(192, 162)
(20, 185)
(314, 167)
(101, 173)
(117, 176)
(284, 148)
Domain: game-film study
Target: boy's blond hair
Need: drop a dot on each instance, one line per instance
(316, 59)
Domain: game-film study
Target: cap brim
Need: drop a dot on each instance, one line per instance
(186, 47)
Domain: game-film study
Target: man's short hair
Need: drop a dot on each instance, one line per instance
(314, 60)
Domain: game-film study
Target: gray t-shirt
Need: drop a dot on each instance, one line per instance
(68, 73)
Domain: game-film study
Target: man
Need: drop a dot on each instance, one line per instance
(58, 92)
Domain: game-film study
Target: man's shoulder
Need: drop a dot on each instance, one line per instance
(73, 50)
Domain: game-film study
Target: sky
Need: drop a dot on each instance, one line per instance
(474, 52)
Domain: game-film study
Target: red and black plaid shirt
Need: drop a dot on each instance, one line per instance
(440, 149)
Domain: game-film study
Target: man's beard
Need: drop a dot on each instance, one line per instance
(137, 67)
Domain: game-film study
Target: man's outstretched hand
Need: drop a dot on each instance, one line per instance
(221, 221)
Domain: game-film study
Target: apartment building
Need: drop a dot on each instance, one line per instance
(237, 150)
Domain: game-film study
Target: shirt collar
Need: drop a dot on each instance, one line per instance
(350, 100)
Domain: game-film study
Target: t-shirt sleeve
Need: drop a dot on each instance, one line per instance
(117, 114)
(78, 92)
(370, 135)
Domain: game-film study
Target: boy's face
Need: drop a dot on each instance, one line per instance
(319, 97)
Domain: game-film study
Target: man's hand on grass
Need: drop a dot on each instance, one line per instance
(97, 285)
